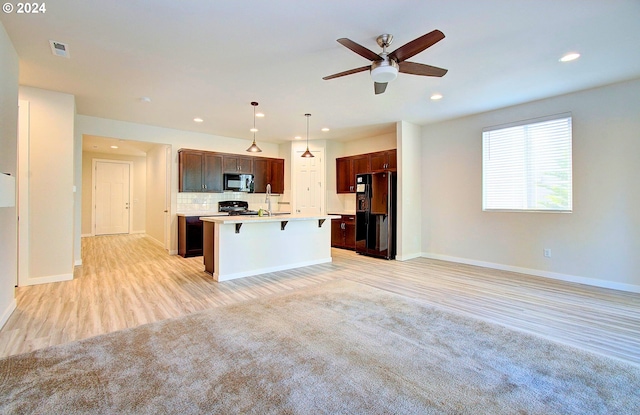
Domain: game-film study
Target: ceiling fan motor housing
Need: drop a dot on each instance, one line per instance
(385, 70)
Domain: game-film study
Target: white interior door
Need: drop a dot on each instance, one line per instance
(112, 193)
(309, 183)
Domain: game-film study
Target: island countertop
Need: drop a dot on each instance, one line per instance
(224, 220)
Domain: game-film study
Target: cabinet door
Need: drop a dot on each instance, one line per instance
(230, 164)
(336, 233)
(344, 183)
(190, 171)
(212, 173)
(393, 159)
(189, 236)
(361, 164)
(238, 164)
(276, 175)
(245, 165)
(379, 161)
(349, 232)
(383, 160)
(260, 175)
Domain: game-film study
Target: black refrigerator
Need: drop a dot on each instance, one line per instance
(376, 214)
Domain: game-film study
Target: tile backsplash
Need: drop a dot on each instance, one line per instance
(202, 202)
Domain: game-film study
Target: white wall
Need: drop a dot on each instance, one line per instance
(138, 190)
(597, 244)
(156, 192)
(8, 164)
(177, 139)
(51, 181)
(409, 186)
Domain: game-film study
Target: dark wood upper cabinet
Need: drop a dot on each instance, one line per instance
(348, 167)
(260, 177)
(361, 164)
(276, 175)
(268, 171)
(383, 160)
(190, 167)
(344, 178)
(202, 171)
(199, 171)
(238, 164)
(212, 174)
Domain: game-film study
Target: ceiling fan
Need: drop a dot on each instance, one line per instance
(385, 66)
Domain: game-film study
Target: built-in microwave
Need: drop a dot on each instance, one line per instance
(238, 182)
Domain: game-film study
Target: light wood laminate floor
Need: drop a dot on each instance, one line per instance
(129, 280)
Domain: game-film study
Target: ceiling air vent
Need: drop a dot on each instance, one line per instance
(59, 48)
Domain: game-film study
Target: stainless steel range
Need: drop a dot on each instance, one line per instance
(235, 207)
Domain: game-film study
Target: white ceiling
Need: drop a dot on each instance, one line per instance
(210, 59)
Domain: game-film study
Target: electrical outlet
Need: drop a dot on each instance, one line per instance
(546, 252)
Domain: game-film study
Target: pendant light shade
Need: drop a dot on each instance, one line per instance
(307, 153)
(254, 147)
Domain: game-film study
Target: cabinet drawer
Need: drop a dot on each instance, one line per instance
(349, 219)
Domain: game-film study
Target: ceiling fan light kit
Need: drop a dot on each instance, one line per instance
(254, 147)
(385, 66)
(384, 71)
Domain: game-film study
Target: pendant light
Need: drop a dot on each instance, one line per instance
(307, 153)
(254, 148)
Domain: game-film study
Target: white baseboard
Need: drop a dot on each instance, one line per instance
(136, 232)
(540, 273)
(77, 263)
(86, 235)
(7, 312)
(46, 279)
(407, 257)
(173, 252)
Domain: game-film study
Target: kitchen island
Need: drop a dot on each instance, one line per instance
(241, 246)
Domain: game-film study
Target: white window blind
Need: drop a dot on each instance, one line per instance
(527, 166)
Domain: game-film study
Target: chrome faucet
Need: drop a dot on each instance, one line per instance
(268, 199)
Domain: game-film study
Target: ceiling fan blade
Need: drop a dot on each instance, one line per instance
(349, 72)
(416, 46)
(359, 49)
(379, 87)
(421, 69)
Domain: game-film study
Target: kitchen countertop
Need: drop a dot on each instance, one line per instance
(203, 213)
(333, 212)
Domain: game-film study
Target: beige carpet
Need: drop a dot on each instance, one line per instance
(341, 347)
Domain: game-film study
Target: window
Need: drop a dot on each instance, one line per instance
(527, 166)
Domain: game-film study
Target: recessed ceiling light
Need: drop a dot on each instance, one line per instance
(259, 114)
(197, 119)
(145, 99)
(570, 57)
(436, 97)
(253, 130)
(325, 129)
(297, 137)
(114, 146)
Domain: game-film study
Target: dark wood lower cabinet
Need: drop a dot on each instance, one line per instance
(189, 236)
(343, 232)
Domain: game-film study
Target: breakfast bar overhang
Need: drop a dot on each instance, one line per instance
(241, 246)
